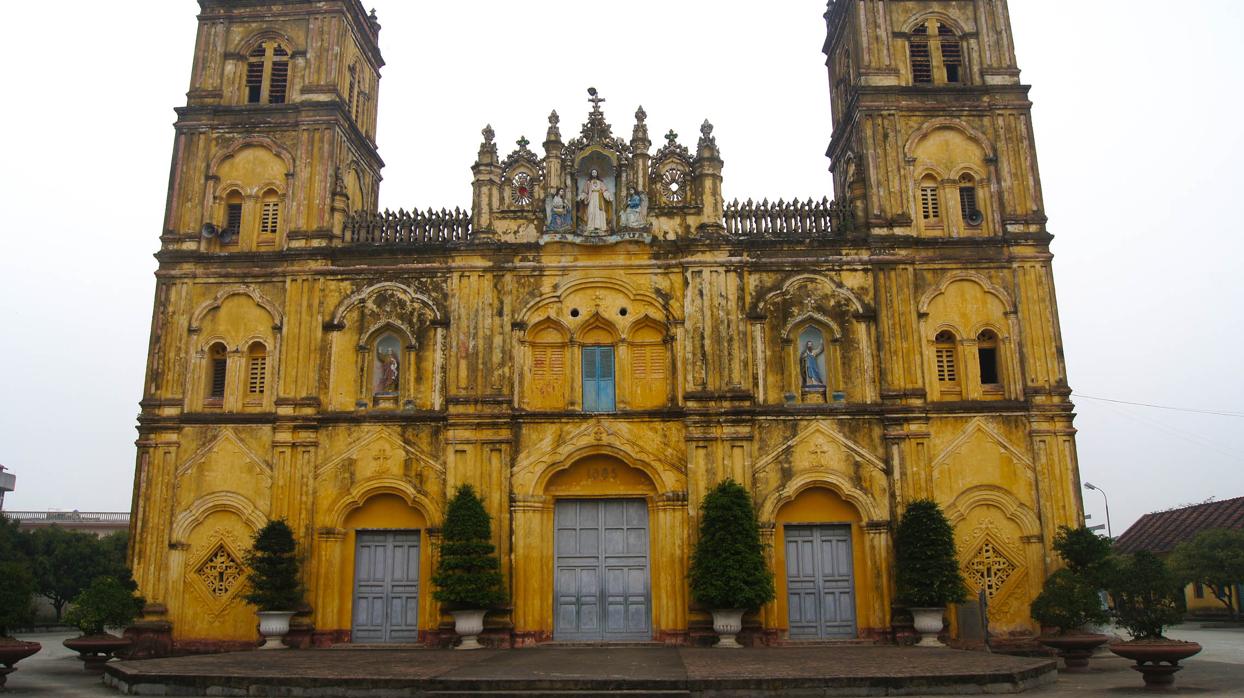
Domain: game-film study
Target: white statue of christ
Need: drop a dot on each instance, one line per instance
(596, 195)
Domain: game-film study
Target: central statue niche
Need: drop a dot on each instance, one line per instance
(596, 180)
(597, 199)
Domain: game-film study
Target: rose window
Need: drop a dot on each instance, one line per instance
(220, 572)
(522, 189)
(674, 185)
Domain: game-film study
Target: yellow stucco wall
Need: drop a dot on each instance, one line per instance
(489, 333)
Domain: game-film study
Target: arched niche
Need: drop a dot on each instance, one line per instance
(646, 383)
(599, 475)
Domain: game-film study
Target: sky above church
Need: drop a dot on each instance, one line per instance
(1136, 116)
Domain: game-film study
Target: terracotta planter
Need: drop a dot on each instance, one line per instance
(727, 622)
(1156, 660)
(1074, 648)
(468, 625)
(928, 622)
(13, 651)
(96, 650)
(274, 625)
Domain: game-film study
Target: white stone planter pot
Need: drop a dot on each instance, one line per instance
(727, 623)
(468, 625)
(273, 625)
(928, 622)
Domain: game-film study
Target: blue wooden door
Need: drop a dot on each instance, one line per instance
(386, 586)
(819, 585)
(598, 391)
(601, 588)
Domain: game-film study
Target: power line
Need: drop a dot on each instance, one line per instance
(1162, 407)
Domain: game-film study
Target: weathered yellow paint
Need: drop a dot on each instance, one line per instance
(487, 334)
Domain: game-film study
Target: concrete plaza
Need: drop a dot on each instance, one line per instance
(1217, 671)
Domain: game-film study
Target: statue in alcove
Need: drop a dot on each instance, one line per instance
(596, 201)
(812, 359)
(388, 366)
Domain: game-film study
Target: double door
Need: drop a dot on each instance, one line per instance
(601, 575)
(386, 586)
(820, 590)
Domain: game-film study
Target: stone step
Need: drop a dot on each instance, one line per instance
(644, 644)
(672, 693)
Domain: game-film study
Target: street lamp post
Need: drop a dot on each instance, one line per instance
(1095, 488)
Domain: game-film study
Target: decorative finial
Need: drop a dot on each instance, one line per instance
(488, 133)
(373, 16)
(640, 114)
(523, 142)
(671, 137)
(595, 99)
(554, 119)
(706, 135)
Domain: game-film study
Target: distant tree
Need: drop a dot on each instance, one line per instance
(65, 563)
(16, 588)
(1215, 559)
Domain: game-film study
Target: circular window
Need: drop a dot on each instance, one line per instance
(674, 185)
(574, 312)
(623, 312)
(522, 194)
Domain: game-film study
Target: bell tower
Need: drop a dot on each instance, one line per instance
(932, 128)
(277, 137)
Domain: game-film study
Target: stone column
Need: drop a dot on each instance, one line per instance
(670, 591)
(875, 620)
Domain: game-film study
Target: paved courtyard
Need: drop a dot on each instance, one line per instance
(1218, 671)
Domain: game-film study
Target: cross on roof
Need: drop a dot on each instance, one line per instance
(671, 136)
(595, 99)
(523, 142)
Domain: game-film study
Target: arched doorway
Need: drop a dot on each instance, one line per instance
(819, 556)
(385, 570)
(602, 542)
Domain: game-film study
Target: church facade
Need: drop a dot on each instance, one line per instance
(597, 340)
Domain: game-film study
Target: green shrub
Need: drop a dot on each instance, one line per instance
(106, 603)
(469, 574)
(17, 586)
(1146, 596)
(926, 569)
(1068, 602)
(1087, 554)
(728, 567)
(273, 560)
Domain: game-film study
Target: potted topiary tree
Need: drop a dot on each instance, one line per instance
(1146, 601)
(106, 603)
(468, 577)
(17, 585)
(926, 569)
(1070, 599)
(274, 586)
(728, 571)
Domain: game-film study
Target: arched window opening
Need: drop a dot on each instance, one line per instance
(968, 205)
(945, 348)
(256, 370)
(233, 218)
(351, 90)
(952, 53)
(921, 56)
(217, 373)
(267, 74)
(649, 372)
(930, 201)
(936, 54)
(387, 366)
(270, 213)
(987, 353)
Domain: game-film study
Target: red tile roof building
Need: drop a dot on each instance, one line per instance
(1161, 531)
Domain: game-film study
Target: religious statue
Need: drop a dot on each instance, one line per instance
(635, 210)
(386, 380)
(597, 202)
(557, 211)
(810, 367)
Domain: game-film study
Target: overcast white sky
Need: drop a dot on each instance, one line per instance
(1137, 110)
